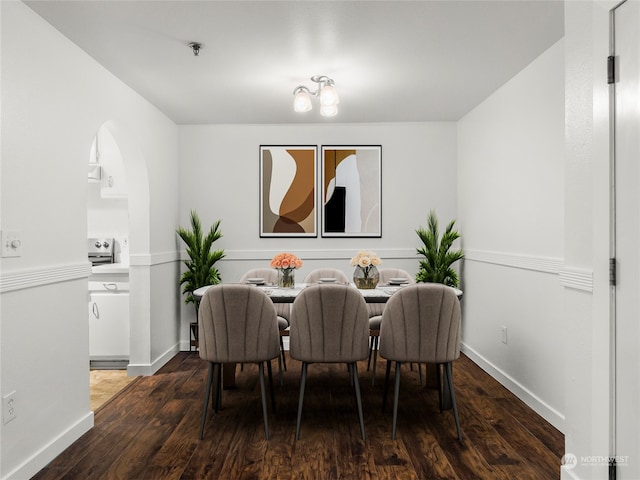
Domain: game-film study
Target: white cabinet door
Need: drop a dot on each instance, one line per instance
(109, 326)
(114, 177)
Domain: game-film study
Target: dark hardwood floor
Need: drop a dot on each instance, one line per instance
(150, 430)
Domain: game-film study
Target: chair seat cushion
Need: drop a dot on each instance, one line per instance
(374, 322)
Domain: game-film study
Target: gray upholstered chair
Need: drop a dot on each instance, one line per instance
(283, 310)
(375, 317)
(329, 325)
(318, 273)
(237, 325)
(421, 324)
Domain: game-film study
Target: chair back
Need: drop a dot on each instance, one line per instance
(237, 324)
(270, 276)
(329, 324)
(421, 323)
(386, 274)
(319, 273)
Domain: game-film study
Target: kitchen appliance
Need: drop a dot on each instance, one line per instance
(108, 308)
(100, 250)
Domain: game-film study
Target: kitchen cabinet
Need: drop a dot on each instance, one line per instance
(108, 323)
(106, 159)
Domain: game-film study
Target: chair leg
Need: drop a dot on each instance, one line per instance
(395, 400)
(263, 395)
(448, 372)
(273, 396)
(303, 380)
(439, 379)
(207, 392)
(371, 340)
(280, 374)
(354, 368)
(284, 360)
(386, 385)
(375, 359)
(214, 390)
(420, 374)
(218, 395)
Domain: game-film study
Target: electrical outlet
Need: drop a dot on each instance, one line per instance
(9, 407)
(503, 334)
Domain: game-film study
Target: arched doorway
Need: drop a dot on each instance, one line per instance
(122, 199)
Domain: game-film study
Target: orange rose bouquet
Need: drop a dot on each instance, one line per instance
(286, 264)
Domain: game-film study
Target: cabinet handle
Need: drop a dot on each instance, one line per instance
(110, 286)
(94, 309)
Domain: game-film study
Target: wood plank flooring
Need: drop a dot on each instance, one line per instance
(105, 384)
(150, 430)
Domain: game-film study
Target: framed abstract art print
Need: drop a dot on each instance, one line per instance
(351, 191)
(288, 191)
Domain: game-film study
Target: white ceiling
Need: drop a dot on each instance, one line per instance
(392, 61)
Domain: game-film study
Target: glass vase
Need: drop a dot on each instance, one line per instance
(366, 277)
(286, 277)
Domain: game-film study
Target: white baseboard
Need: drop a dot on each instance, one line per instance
(50, 451)
(145, 369)
(551, 415)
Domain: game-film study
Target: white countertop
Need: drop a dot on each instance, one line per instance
(111, 268)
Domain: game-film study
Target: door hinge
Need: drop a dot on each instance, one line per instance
(612, 272)
(611, 69)
(612, 469)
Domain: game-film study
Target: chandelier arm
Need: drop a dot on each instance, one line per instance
(302, 88)
(322, 79)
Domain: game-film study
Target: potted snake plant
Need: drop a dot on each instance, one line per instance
(200, 265)
(436, 267)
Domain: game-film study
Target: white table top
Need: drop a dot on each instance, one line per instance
(379, 294)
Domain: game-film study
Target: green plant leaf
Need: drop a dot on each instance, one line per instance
(436, 266)
(200, 269)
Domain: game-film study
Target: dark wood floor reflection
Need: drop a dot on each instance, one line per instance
(150, 431)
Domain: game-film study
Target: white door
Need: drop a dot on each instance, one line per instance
(626, 50)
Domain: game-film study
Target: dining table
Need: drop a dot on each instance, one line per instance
(380, 294)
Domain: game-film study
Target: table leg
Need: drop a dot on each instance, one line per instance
(229, 375)
(434, 378)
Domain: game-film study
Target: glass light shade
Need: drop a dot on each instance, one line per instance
(329, 96)
(302, 102)
(328, 110)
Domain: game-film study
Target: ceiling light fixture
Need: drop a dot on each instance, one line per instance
(326, 92)
(196, 48)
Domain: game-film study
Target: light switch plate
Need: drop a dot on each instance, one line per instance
(11, 243)
(9, 407)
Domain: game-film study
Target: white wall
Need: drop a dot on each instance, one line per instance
(219, 178)
(510, 198)
(54, 98)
